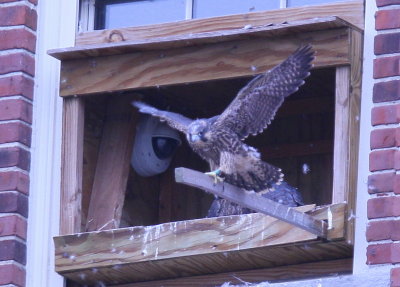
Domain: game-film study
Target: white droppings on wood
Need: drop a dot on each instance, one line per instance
(330, 218)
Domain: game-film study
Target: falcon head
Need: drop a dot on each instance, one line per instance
(198, 131)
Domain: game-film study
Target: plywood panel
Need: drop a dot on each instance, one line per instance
(211, 263)
(193, 64)
(198, 246)
(351, 11)
(94, 120)
(287, 272)
(112, 169)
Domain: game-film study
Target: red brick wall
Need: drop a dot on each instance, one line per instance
(383, 230)
(18, 20)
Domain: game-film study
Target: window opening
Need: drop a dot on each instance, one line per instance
(299, 140)
(111, 14)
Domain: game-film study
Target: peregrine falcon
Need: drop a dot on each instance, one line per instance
(219, 140)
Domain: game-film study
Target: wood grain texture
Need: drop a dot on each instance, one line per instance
(356, 55)
(179, 41)
(95, 110)
(211, 264)
(199, 63)
(195, 247)
(72, 163)
(341, 142)
(351, 11)
(251, 201)
(347, 126)
(288, 272)
(111, 176)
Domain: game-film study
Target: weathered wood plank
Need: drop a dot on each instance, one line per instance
(341, 142)
(71, 169)
(252, 201)
(210, 264)
(172, 42)
(193, 64)
(112, 169)
(287, 272)
(356, 50)
(351, 11)
(95, 110)
(195, 247)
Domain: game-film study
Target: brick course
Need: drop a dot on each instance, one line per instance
(384, 138)
(383, 253)
(18, 15)
(15, 132)
(12, 250)
(383, 230)
(395, 277)
(382, 182)
(381, 3)
(382, 159)
(386, 91)
(13, 225)
(18, 23)
(16, 109)
(385, 206)
(389, 114)
(7, 1)
(16, 85)
(15, 157)
(12, 274)
(14, 180)
(387, 43)
(14, 202)
(387, 67)
(19, 38)
(387, 19)
(17, 62)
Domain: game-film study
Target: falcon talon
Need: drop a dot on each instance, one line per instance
(215, 174)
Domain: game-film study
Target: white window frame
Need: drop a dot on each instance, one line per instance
(87, 12)
(56, 28)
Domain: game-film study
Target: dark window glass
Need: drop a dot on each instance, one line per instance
(296, 3)
(116, 14)
(212, 8)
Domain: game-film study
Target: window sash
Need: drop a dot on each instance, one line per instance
(92, 12)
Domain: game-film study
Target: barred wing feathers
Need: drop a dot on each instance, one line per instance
(174, 120)
(256, 104)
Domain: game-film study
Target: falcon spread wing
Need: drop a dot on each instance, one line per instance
(219, 140)
(256, 104)
(174, 120)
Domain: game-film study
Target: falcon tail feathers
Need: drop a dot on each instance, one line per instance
(261, 179)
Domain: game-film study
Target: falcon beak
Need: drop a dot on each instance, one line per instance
(194, 138)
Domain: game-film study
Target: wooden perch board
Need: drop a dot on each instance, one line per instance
(252, 201)
(195, 247)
